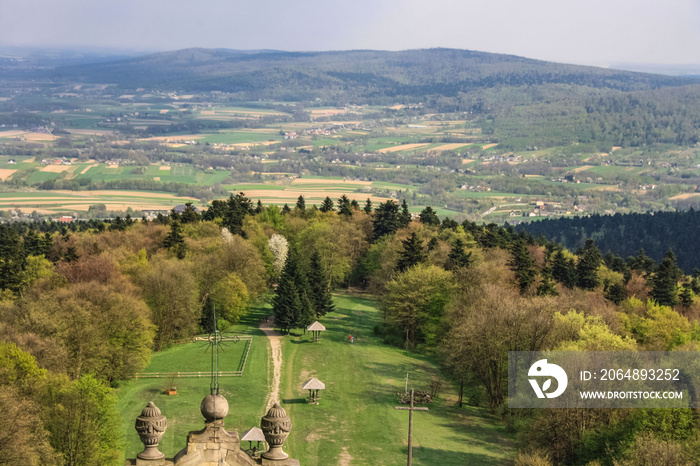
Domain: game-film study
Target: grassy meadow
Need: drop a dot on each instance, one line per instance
(355, 421)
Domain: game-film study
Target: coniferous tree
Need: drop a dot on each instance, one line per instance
(641, 262)
(319, 284)
(386, 219)
(523, 265)
(301, 203)
(457, 257)
(587, 267)
(433, 243)
(686, 296)
(616, 293)
(34, 245)
(259, 207)
(285, 209)
(563, 269)
(354, 205)
(189, 215)
(412, 253)
(368, 207)
(547, 288)
(429, 217)
(175, 241)
(405, 215)
(292, 305)
(327, 205)
(12, 259)
(118, 224)
(344, 206)
(449, 223)
(665, 280)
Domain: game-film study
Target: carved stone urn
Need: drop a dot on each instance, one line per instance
(151, 425)
(276, 426)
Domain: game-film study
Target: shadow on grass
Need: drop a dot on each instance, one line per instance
(432, 456)
(294, 401)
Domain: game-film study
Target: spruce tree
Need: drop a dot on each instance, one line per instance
(448, 223)
(321, 299)
(563, 269)
(285, 209)
(616, 293)
(12, 259)
(412, 253)
(433, 243)
(301, 203)
(175, 241)
(587, 267)
(344, 206)
(405, 215)
(429, 217)
(686, 296)
(291, 304)
(546, 287)
(523, 265)
(457, 257)
(368, 207)
(327, 205)
(665, 280)
(386, 219)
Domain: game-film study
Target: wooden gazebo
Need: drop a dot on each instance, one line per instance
(316, 328)
(313, 386)
(254, 434)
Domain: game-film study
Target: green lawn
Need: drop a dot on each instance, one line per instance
(356, 417)
(246, 395)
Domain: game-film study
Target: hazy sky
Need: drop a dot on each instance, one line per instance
(597, 32)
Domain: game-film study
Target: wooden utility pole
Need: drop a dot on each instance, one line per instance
(410, 425)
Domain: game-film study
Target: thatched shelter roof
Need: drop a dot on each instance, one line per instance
(314, 384)
(254, 434)
(316, 327)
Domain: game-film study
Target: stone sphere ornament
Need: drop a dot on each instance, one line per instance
(151, 425)
(276, 426)
(214, 408)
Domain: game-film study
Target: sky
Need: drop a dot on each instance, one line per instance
(592, 32)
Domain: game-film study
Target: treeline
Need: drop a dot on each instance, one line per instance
(415, 73)
(626, 234)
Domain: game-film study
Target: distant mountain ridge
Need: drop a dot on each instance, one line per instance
(354, 76)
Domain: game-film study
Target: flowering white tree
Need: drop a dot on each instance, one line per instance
(279, 248)
(226, 235)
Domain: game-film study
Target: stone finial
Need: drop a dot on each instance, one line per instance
(151, 425)
(276, 426)
(214, 408)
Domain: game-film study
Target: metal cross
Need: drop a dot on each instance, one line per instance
(410, 425)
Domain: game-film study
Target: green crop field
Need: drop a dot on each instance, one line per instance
(240, 137)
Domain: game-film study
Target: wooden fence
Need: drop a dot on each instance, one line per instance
(182, 374)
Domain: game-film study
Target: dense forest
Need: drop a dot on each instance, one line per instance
(523, 103)
(626, 234)
(84, 306)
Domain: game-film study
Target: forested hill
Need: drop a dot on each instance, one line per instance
(356, 76)
(626, 234)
